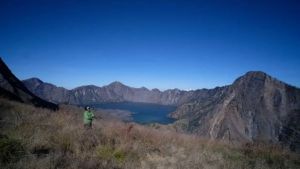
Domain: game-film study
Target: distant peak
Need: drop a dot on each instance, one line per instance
(256, 73)
(34, 79)
(254, 77)
(143, 88)
(155, 90)
(116, 83)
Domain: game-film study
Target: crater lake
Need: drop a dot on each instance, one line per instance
(143, 113)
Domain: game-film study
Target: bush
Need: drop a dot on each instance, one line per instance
(109, 153)
(119, 155)
(11, 150)
(105, 152)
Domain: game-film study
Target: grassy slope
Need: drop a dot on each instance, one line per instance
(38, 138)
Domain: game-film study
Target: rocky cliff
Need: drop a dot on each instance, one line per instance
(256, 107)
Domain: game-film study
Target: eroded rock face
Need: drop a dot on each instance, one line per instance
(256, 107)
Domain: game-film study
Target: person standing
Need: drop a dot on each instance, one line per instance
(88, 117)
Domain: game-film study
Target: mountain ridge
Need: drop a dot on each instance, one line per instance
(106, 93)
(256, 106)
(111, 92)
(248, 73)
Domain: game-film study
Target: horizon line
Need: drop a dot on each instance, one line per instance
(155, 88)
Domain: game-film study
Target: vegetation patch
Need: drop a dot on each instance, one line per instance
(110, 153)
(11, 150)
(59, 140)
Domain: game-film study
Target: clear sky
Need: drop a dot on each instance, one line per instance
(153, 43)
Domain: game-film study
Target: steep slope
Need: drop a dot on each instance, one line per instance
(256, 107)
(12, 88)
(47, 91)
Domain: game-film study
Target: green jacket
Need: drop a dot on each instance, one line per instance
(88, 117)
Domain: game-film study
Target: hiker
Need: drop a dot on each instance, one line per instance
(88, 117)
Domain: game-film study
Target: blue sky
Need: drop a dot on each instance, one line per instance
(153, 43)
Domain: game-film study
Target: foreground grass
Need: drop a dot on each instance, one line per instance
(38, 138)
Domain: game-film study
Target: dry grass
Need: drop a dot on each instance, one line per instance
(39, 138)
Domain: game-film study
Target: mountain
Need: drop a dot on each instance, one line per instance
(12, 88)
(114, 92)
(256, 107)
(47, 91)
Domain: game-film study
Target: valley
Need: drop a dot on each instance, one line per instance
(250, 124)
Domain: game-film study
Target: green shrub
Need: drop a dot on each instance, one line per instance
(105, 152)
(234, 156)
(62, 142)
(119, 156)
(11, 150)
(109, 153)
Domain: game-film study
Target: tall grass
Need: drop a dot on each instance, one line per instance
(39, 138)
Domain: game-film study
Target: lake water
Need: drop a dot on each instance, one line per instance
(143, 113)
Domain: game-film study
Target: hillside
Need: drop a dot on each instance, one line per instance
(257, 113)
(256, 107)
(38, 138)
(12, 88)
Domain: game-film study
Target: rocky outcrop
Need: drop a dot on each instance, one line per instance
(256, 107)
(12, 88)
